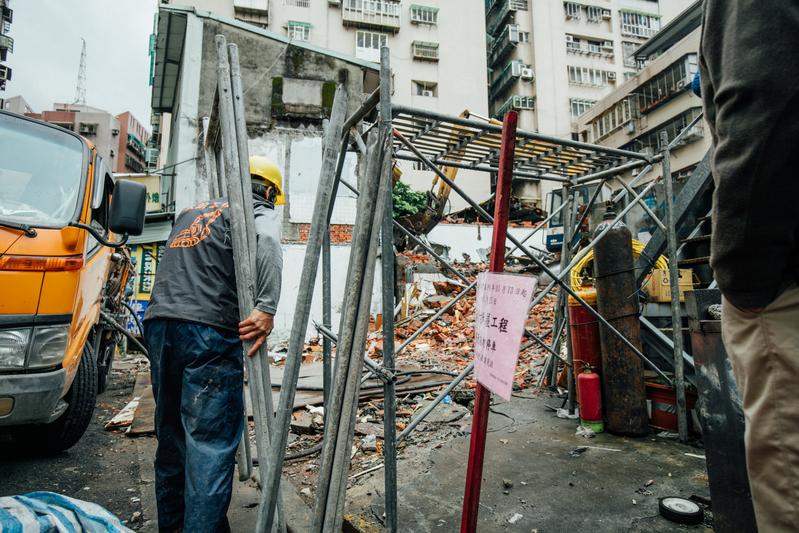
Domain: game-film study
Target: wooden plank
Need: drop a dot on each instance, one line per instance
(144, 417)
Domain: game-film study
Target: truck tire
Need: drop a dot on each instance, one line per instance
(65, 431)
(104, 364)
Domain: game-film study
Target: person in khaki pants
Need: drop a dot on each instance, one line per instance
(749, 65)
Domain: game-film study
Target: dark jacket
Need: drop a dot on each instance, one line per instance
(196, 280)
(749, 64)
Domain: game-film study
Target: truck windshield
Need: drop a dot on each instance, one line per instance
(40, 173)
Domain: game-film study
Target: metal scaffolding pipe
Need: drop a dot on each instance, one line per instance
(557, 278)
(324, 194)
(674, 285)
(611, 171)
(364, 109)
(484, 168)
(523, 134)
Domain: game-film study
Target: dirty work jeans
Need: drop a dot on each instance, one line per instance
(764, 352)
(197, 378)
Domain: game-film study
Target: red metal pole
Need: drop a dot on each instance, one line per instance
(482, 401)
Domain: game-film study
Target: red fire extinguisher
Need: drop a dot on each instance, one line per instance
(590, 390)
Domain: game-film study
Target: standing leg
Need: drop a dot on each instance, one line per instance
(764, 351)
(212, 411)
(166, 376)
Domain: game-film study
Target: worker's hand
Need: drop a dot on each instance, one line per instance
(256, 328)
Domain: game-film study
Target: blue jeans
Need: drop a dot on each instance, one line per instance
(198, 379)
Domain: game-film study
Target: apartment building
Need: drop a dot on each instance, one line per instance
(133, 139)
(554, 60)
(97, 125)
(437, 52)
(6, 41)
(658, 98)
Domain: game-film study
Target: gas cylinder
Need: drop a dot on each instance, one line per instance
(624, 391)
(586, 347)
(589, 388)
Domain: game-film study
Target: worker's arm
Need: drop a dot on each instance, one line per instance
(269, 271)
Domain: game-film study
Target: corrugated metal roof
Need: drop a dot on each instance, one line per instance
(156, 231)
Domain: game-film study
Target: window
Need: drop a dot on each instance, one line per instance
(424, 50)
(424, 14)
(368, 44)
(425, 88)
(668, 83)
(595, 47)
(593, 14)
(590, 76)
(580, 106)
(572, 43)
(516, 35)
(628, 53)
(518, 102)
(572, 10)
(298, 3)
(299, 31)
(634, 24)
(650, 141)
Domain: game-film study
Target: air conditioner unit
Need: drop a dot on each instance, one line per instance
(680, 84)
(629, 127)
(114, 132)
(608, 44)
(606, 14)
(569, 38)
(527, 73)
(427, 92)
(611, 76)
(334, 2)
(693, 134)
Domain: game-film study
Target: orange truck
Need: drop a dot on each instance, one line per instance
(63, 270)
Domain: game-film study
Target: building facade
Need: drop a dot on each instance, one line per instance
(554, 60)
(16, 104)
(437, 60)
(133, 139)
(658, 98)
(99, 126)
(6, 41)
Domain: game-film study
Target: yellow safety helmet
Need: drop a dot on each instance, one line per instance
(264, 170)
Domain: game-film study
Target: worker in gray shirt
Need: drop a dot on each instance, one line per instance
(748, 62)
(194, 336)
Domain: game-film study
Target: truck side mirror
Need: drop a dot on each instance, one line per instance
(127, 208)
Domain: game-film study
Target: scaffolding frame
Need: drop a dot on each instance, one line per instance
(434, 140)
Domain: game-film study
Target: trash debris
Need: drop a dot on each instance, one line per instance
(578, 451)
(123, 418)
(583, 431)
(369, 443)
(507, 483)
(649, 483)
(564, 413)
(515, 517)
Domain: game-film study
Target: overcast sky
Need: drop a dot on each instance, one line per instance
(47, 44)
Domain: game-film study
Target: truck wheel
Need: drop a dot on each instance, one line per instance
(104, 365)
(64, 432)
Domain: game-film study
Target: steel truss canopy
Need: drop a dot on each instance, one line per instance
(474, 144)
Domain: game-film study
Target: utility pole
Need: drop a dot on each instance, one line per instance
(80, 88)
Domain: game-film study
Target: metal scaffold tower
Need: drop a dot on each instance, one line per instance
(80, 86)
(436, 141)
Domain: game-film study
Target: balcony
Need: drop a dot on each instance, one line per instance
(512, 72)
(500, 11)
(6, 43)
(505, 43)
(516, 101)
(135, 145)
(8, 14)
(133, 164)
(151, 157)
(375, 14)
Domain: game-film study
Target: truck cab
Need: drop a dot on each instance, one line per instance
(62, 266)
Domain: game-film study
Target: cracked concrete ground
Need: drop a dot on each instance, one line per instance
(552, 488)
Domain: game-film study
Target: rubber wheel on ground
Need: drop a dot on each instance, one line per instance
(104, 365)
(64, 432)
(680, 510)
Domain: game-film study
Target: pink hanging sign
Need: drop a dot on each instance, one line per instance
(503, 302)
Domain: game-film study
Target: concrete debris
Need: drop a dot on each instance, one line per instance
(507, 483)
(583, 431)
(515, 517)
(369, 443)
